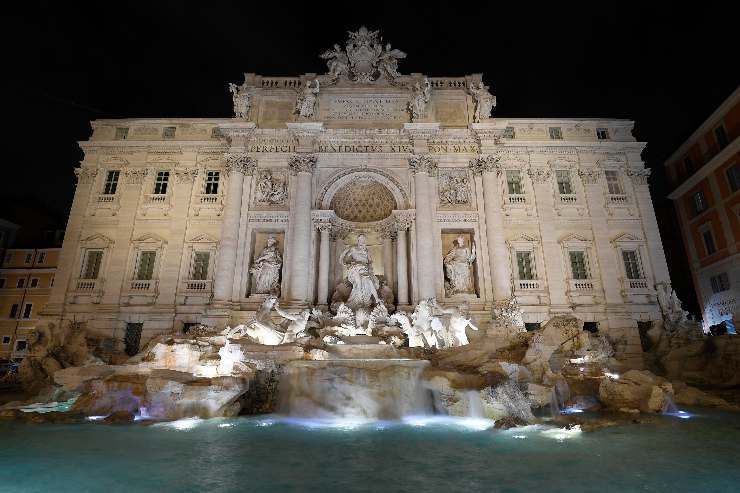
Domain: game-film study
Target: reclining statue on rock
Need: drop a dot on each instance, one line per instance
(296, 324)
(414, 336)
(262, 329)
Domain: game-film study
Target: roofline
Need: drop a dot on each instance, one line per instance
(718, 160)
(709, 122)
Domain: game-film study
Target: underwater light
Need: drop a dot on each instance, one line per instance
(226, 425)
(571, 410)
(561, 434)
(613, 376)
(184, 424)
(95, 418)
(520, 437)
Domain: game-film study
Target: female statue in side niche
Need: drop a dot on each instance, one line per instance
(359, 265)
(458, 274)
(266, 269)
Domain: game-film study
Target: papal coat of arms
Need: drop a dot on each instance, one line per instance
(364, 58)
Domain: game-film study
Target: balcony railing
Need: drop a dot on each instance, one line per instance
(106, 198)
(155, 198)
(528, 285)
(637, 283)
(210, 199)
(568, 198)
(198, 285)
(142, 285)
(87, 285)
(517, 198)
(581, 284)
(617, 199)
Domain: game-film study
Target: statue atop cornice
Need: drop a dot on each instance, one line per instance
(364, 59)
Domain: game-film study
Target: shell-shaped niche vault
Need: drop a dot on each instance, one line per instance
(362, 201)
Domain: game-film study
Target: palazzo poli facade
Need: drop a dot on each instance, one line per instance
(183, 221)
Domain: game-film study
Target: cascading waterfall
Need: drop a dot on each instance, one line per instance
(361, 389)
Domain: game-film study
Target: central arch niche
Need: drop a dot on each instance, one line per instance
(363, 200)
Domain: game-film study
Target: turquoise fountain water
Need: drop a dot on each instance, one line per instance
(418, 454)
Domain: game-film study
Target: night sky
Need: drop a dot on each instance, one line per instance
(661, 64)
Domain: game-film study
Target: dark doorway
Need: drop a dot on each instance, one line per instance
(592, 327)
(643, 328)
(132, 340)
(530, 326)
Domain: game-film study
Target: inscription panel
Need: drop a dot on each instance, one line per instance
(373, 108)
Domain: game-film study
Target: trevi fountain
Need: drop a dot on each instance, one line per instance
(425, 299)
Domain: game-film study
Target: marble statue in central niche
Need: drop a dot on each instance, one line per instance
(458, 272)
(359, 265)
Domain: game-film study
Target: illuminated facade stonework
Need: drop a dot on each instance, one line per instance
(170, 214)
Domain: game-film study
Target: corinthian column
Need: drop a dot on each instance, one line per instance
(402, 294)
(324, 263)
(238, 165)
(424, 167)
(498, 256)
(302, 166)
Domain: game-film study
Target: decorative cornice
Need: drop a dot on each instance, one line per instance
(483, 164)
(423, 163)
(239, 162)
(302, 163)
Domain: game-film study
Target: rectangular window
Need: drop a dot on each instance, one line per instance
(509, 133)
(578, 265)
(27, 310)
(2, 283)
(689, 165)
(556, 133)
(514, 181)
(632, 264)
(111, 182)
(700, 205)
(91, 267)
(612, 182)
(121, 133)
(733, 177)
(51, 282)
(602, 133)
(160, 182)
(525, 265)
(8, 257)
(6, 340)
(13, 311)
(29, 258)
(35, 282)
(215, 133)
(42, 257)
(200, 266)
(145, 269)
(212, 179)
(20, 282)
(21, 345)
(709, 242)
(564, 185)
(168, 133)
(721, 135)
(720, 282)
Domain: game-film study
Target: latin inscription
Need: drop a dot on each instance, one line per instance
(366, 108)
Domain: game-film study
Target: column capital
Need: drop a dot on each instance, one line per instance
(239, 162)
(85, 176)
(404, 219)
(302, 163)
(423, 163)
(639, 176)
(485, 164)
(135, 176)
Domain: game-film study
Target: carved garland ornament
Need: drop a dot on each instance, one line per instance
(302, 163)
(590, 176)
(423, 163)
(239, 162)
(540, 175)
(135, 176)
